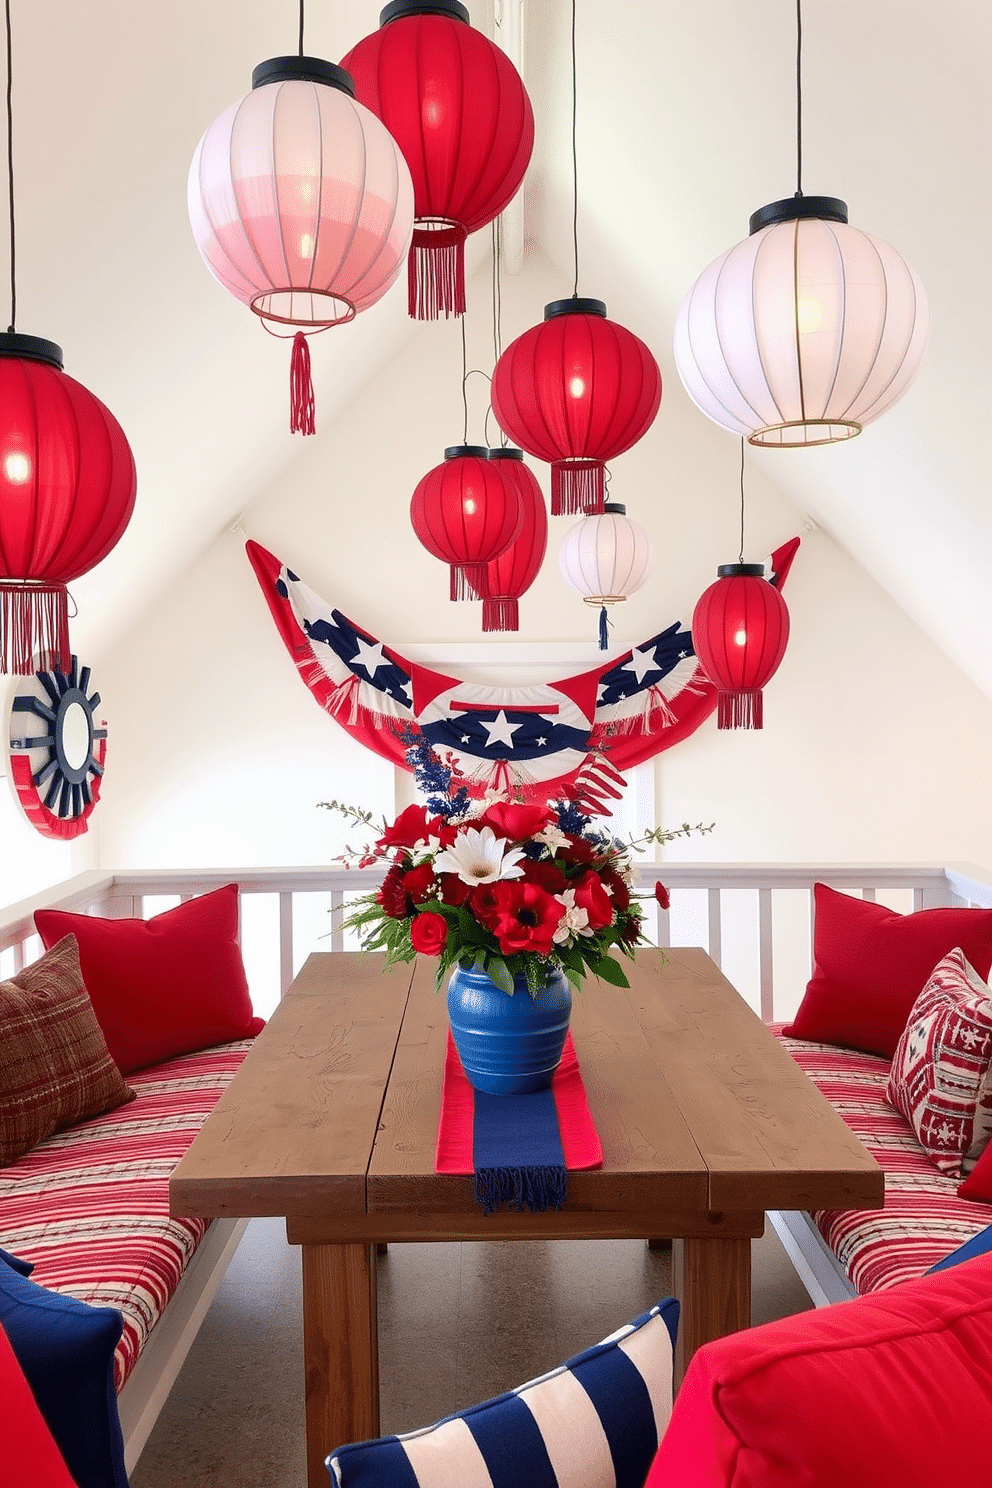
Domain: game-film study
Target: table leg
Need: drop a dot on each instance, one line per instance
(712, 1280)
(340, 1350)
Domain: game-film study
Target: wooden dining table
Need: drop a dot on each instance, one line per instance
(331, 1121)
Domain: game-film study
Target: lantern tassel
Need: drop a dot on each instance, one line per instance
(577, 486)
(436, 272)
(739, 710)
(467, 580)
(604, 637)
(34, 628)
(500, 614)
(301, 401)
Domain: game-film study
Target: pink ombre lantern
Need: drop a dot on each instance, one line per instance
(301, 204)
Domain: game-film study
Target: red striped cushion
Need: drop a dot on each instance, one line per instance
(923, 1219)
(90, 1206)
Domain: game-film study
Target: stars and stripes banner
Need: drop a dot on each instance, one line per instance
(540, 741)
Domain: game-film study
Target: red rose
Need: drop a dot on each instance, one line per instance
(442, 830)
(579, 850)
(392, 895)
(515, 822)
(454, 890)
(593, 898)
(526, 918)
(409, 828)
(619, 892)
(419, 884)
(547, 875)
(428, 933)
(661, 894)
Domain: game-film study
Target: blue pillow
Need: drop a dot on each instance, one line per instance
(608, 1406)
(976, 1246)
(66, 1352)
(23, 1268)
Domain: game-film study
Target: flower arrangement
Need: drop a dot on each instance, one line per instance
(514, 890)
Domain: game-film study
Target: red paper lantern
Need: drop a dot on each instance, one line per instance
(67, 487)
(512, 573)
(458, 110)
(466, 514)
(740, 627)
(576, 391)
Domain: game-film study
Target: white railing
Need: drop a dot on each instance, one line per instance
(701, 898)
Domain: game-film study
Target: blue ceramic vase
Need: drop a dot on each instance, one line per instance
(508, 1045)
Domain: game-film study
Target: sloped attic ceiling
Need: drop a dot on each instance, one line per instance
(686, 125)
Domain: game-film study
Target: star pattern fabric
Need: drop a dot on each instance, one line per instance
(942, 1062)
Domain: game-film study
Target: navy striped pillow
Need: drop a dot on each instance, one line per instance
(597, 1419)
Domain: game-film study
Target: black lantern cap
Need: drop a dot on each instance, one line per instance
(506, 452)
(303, 70)
(396, 9)
(741, 571)
(615, 506)
(827, 208)
(30, 348)
(574, 305)
(464, 451)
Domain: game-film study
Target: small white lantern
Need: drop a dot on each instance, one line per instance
(605, 558)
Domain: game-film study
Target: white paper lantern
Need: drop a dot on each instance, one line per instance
(605, 558)
(803, 333)
(300, 200)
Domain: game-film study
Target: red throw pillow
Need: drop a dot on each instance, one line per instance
(894, 1388)
(978, 1185)
(29, 1455)
(870, 964)
(165, 986)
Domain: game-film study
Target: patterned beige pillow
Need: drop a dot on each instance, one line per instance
(55, 1068)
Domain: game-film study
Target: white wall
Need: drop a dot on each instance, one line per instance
(875, 745)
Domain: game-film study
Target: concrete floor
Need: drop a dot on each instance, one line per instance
(457, 1324)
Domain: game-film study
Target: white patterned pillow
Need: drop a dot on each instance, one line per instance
(942, 1060)
(595, 1421)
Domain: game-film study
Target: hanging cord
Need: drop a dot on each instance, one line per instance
(799, 97)
(464, 381)
(497, 323)
(741, 558)
(302, 5)
(10, 171)
(575, 165)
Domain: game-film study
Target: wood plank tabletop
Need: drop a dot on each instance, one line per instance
(294, 1131)
(763, 1129)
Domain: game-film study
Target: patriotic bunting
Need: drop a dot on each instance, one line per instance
(537, 742)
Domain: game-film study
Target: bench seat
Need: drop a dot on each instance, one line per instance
(923, 1219)
(90, 1206)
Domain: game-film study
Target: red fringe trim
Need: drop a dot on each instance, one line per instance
(34, 628)
(467, 580)
(302, 408)
(577, 486)
(436, 272)
(739, 710)
(500, 614)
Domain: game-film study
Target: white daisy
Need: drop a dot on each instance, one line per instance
(479, 857)
(575, 920)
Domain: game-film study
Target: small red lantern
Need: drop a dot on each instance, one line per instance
(466, 514)
(458, 110)
(740, 627)
(67, 488)
(576, 391)
(512, 573)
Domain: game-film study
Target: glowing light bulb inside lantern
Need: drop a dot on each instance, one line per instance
(17, 468)
(577, 387)
(809, 316)
(468, 506)
(433, 113)
(306, 246)
(740, 638)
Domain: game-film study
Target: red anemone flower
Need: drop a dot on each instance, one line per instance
(526, 918)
